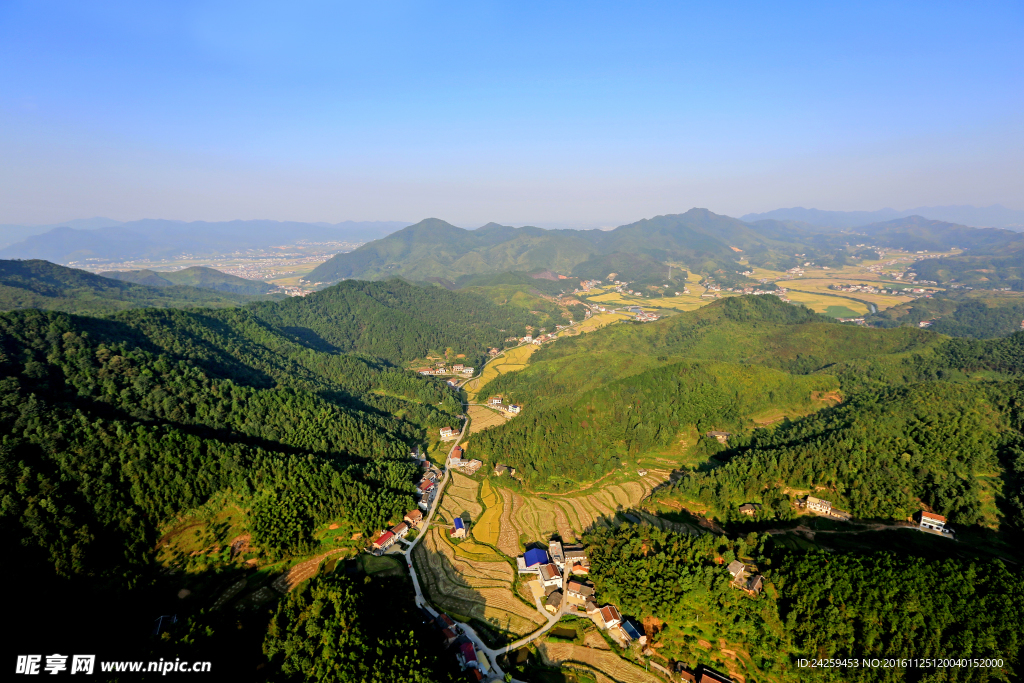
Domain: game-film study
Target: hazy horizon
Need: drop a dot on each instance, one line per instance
(525, 115)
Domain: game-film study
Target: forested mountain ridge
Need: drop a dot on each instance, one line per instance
(910, 429)
(702, 241)
(48, 286)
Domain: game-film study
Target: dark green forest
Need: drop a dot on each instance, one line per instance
(814, 605)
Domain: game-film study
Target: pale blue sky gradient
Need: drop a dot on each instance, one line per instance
(586, 114)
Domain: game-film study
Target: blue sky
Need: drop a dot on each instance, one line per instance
(585, 114)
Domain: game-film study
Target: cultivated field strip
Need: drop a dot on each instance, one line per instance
(487, 529)
(508, 535)
(471, 570)
(614, 666)
(562, 524)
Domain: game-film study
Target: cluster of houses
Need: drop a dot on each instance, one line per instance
(577, 594)
(386, 539)
(442, 369)
(458, 460)
(426, 488)
(498, 403)
(823, 507)
(646, 317)
(466, 654)
(744, 578)
(545, 338)
(866, 288)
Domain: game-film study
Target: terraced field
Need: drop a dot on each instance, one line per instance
(616, 668)
(540, 517)
(514, 359)
(472, 588)
(460, 499)
(508, 537)
(487, 528)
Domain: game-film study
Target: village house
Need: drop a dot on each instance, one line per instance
(494, 401)
(576, 555)
(383, 542)
(754, 584)
(721, 437)
(514, 409)
(458, 528)
(737, 569)
(413, 518)
(631, 632)
(470, 466)
(550, 576)
(610, 617)
(400, 530)
(553, 603)
(931, 521)
(750, 509)
(467, 370)
(591, 607)
(555, 551)
(448, 433)
(531, 561)
(467, 656)
(425, 485)
(824, 507)
(458, 367)
(579, 590)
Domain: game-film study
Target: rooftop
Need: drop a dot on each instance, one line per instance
(535, 556)
(459, 524)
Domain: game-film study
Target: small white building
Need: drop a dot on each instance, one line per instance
(550, 576)
(930, 520)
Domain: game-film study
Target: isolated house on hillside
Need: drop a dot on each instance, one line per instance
(737, 569)
(750, 509)
(818, 505)
(720, 437)
(458, 528)
(932, 521)
(448, 433)
(514, 409)
(494, 401)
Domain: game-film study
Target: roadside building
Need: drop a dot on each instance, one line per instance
(591, 607)
(467, 656)
(383, 542)
(494, 401)
(579, 590)
(555, 551)
(448, 433)
(514, 409)
(610, 617)
(400, 530)
(818, 505)
(931, 521)
(413, 518)
(553, 603)
(550, 576)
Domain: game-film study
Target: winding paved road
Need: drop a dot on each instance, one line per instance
(468, 631)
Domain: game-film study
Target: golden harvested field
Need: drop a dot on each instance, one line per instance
(603, 660)
(487, 528)
(512, 360)
(829, 305)
(481, 418)
(508, 536)
(539, 517)
(469, 588)
(596, 322)
(883, 301)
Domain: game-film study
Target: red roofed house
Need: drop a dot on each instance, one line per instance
(930, 520)
(550, 576)
(384, 541)
(467, 656)
(610, 616)
(413, 518)
(426, 485)
(449, 636)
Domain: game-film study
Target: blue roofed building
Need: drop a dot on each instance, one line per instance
(632, 632)
(459, 528)
(531, 561)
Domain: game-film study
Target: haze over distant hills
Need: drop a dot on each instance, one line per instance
(107, 239)
(995, 216)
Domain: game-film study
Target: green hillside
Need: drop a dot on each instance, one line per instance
(196, 276)
(48, 286)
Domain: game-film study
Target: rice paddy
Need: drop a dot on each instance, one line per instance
(482, 418)
(512, 360)
(472, 588)
(487, 528)
(606, 661)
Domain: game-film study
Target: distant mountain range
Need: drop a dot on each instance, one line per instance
(433, 248)
(994, 216)
(109, 240)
